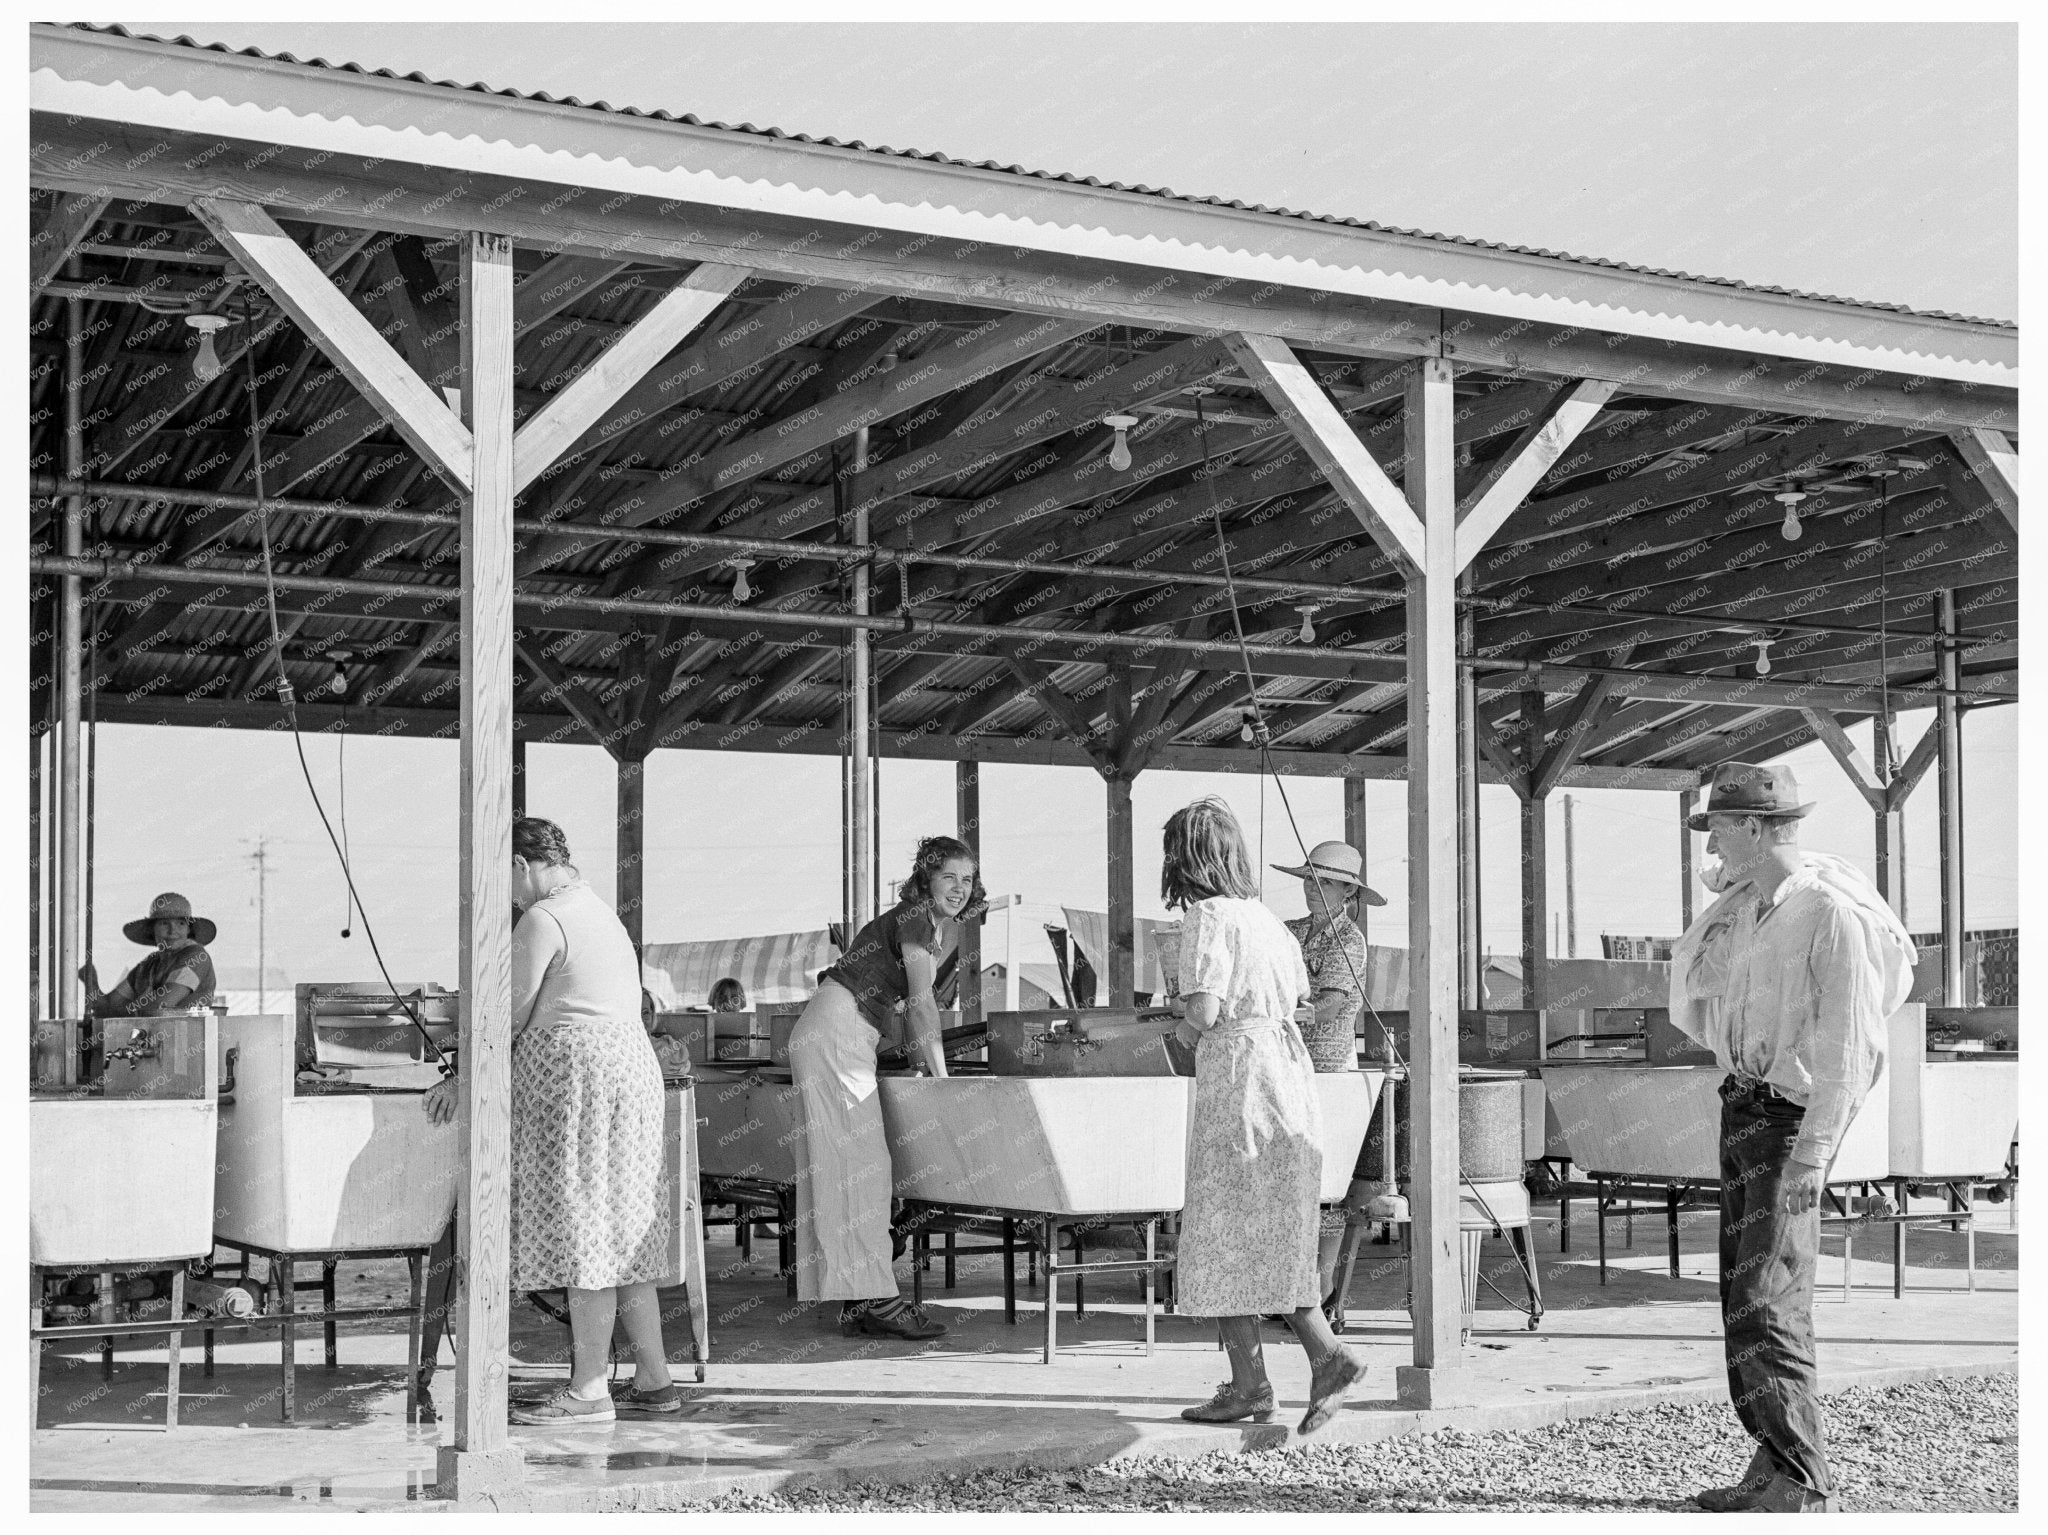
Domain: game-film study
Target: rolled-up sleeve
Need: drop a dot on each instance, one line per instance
(1842, 1047)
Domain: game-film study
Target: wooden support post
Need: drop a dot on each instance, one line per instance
(1948, 719)
(481, 1460)
(1571, 886)
(1535, 862)
(631, 889)
(1433, 925)
(967, 821)
(518, 780)
(1354, 833)
(860, 802)
(1471, 943)
(1889, 820)
(1122, 897)
(1688, 870)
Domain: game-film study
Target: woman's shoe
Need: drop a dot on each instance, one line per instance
(565, 1408)
(1226, 1406)
(1327, 1386)
(664, 1399)
(910, 1324)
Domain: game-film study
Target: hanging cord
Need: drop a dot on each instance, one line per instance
(348, 918)
(1262, 737)
(289, 701)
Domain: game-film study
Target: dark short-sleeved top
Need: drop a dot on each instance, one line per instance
(872, 966)
(186, 965)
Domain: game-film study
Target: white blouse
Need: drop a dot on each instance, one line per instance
(1238, 952)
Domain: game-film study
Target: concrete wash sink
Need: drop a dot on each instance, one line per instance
(321, 1172)
(1078, 1145)
(1629, 1119)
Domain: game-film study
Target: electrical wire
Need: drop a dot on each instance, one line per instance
(1262, 737)
(286, 697)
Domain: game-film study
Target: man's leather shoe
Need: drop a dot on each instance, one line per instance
(1782, 1495)
(1745, 1491)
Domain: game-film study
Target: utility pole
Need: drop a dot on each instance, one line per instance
(1571, 893)
(261, 858)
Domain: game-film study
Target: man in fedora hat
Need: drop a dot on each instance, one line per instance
(1333, 949)
(1788, 978)
(178, 975)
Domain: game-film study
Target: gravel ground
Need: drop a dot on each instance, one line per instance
(1949, 1444)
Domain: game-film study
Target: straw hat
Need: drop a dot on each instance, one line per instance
(1338, 862)
(1743, 788)
(169, 904)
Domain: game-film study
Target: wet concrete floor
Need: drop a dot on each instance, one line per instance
(790, 1402)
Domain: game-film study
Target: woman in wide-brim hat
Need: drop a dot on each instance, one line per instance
(1333, 949)
(177, 976)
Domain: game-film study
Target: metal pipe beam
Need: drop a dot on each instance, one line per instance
(1948, 719)
(70, 994)
(777, 548)
(860, 818)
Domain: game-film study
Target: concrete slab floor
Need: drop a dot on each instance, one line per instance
(790, 1402)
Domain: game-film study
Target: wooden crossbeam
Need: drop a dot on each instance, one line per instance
(577, 407)
(539, 296)
(69, 221)
(589, 711)
(1490, 503)
(1811, 448)
(1907, 778)
(1299, 400)
(1056, 701)
(1571, 736)
(1996, 463)
(340, 329)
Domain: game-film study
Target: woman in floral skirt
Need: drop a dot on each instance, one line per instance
(1248, 1231)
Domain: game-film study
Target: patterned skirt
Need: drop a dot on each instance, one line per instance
(590, 1195)
(1255, 1167)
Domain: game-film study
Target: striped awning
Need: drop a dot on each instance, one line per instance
(775, 968)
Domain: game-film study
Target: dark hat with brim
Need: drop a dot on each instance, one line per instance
(1745, 788)
(170, 904)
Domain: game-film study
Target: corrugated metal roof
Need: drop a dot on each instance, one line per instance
(936, 158)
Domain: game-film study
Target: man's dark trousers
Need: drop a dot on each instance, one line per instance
(1767, 1263)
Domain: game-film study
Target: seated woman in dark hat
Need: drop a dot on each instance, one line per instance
(177, 976)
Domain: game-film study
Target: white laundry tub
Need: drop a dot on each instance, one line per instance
(1633, 1120)
(1949, 1119)
(1348, 1099)
(1058, 1145)
(120, 1180)
(325, 1172)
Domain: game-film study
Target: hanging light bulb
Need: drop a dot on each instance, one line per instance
(206, 365)
(741, 591)
(1246, 733)
(1763, 654)
(1790, 528)
(1120, 451)
(1308, 611)
(340, 682)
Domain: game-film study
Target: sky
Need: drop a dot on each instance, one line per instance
(1877, 162)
